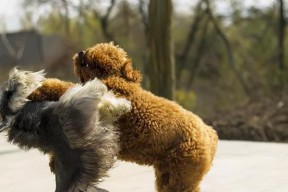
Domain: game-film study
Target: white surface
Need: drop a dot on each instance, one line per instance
(238, 167)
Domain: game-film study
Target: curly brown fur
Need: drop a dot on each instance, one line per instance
(157, 132)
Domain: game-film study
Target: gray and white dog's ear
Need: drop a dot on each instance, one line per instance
(111, 108)
(21, 84)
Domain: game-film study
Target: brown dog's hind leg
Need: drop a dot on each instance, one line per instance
(171, 178)
(182, 171)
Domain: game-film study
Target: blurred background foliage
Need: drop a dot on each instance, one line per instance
(224, 58)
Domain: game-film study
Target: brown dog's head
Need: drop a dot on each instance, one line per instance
(104, 60)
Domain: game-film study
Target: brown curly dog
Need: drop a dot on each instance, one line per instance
(156, 132)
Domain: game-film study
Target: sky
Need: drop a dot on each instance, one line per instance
(11, 10)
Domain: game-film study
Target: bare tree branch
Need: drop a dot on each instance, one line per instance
(15, 54)
(104, 22)
(195, 64)
(192, 34)
(8, 45)
(228, 48)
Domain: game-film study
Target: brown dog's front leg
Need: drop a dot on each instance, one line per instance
(50, 90)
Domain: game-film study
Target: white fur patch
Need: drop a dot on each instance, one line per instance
(111, 108)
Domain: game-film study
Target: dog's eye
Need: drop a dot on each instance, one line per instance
(83, 63)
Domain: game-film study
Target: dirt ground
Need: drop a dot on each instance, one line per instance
(264, 119)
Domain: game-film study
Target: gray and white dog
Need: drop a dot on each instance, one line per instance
(78, 129)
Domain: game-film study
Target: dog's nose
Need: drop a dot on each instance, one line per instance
(81, 53)
(81, 56)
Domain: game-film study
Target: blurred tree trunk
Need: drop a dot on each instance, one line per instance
(162, 74)
(281, 35)
(281, 40)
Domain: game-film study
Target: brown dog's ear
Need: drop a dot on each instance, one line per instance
(130, 74)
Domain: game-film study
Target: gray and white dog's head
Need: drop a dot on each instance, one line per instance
(13, 93)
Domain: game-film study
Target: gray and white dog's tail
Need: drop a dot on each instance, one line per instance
(87, 114)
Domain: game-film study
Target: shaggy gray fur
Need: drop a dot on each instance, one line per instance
(78, 129)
